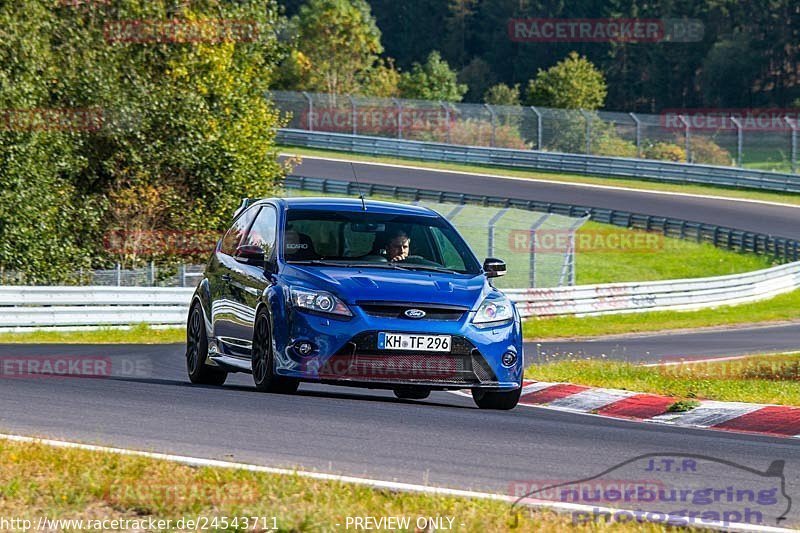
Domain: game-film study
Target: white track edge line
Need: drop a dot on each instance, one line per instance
(552, 182)
(375, 483)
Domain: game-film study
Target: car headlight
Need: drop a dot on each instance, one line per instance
(494, 311)
(319, 302)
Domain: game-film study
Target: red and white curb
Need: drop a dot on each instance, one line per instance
(772, 420)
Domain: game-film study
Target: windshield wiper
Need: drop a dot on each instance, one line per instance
(411, 266)
(344, 264)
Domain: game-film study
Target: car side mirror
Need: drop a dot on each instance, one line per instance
(494, 268)
(250, 254)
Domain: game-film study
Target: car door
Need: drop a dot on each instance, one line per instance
(248, 281)
(226, 311)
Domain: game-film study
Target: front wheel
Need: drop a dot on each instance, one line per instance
(197, 350)
(504, 401)
(263, 363)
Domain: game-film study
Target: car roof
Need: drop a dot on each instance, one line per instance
(312, 203)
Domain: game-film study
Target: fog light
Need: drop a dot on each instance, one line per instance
(509, 358)
(304, 347)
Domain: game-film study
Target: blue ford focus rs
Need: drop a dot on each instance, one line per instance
(350, 292)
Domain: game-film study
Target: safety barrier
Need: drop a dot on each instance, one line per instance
(781, 248)
(675, 295)
(25, 307)
(603, 166)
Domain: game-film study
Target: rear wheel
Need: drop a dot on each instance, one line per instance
(197, 350)
(412, 394)
(495, 399)
(263, 363)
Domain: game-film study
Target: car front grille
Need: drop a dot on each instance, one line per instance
(396, 310)
(361, 360)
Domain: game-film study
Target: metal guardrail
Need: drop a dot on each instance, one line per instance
(25, 307)
(781, 248)
(602, 166)
(685, 294)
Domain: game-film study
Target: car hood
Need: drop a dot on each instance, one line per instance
(377, 284)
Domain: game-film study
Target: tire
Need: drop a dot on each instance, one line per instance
(263, 362)
(502, 401)
(197, 350)
(412, 394)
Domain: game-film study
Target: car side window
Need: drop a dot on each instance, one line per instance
(450, 256)
(234, 235)
(264, 230)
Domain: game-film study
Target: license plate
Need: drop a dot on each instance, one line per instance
(421, 343)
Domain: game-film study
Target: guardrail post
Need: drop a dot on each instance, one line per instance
(399, 106)
(738, 140)
(182, 274)
(794, 143)
(492, 223)
(494, 123)
(638, 124)
(310, 111)
(538, 128)
(353, 114)
(687, 138)
(118, 268)
(151, 274)
(588, 120)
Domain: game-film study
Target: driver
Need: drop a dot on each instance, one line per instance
(398, 244)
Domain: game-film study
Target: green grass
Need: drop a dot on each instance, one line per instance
(780, 308)
(37, 480)
(771, 379)
(661, 258)
(641, 184)
(138, 334)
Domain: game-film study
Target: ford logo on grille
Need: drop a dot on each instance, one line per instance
(415, 313)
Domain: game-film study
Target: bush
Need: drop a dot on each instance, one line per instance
(611, 144)
(664, 151)
(472, 132)
(704, 150)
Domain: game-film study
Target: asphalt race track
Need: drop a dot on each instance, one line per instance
(777, 220)
(443, 441)
(147, 403)
(660, 348)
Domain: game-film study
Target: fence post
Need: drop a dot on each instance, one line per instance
(538, 128)
(738, 140)
(687, 138)
(353, 113)
(532, 248)
(638, 134)
(446, 118)
(310, 111)
(588, 120)
(151, 274)
(182, 274)
(494, 125)
(794, 143)
(118, 268)
(399, 106)
(492, 223)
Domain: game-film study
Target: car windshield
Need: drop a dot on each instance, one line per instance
(361, 239)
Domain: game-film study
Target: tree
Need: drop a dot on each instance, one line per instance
(502, 94)
(573, 83)
(433, 80)
(174, 113)
(341, 42)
